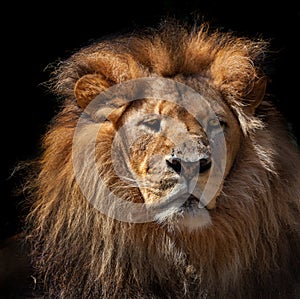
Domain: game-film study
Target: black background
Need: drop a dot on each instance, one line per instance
(35, 35)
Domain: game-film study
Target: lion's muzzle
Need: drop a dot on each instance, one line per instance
(189, 169)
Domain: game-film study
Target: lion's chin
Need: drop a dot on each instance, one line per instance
(193, 220)
(190, 219)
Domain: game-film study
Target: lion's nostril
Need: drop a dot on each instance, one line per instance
(205, 164)
(175, 164)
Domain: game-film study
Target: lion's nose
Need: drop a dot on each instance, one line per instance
(189, 169)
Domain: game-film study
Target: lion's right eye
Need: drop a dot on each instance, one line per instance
(153, 124)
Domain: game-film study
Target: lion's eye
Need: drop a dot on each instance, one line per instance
(153, 124)
(216, 123)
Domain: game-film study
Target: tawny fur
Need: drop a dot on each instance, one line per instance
(252, 249)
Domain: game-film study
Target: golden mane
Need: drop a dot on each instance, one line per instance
(252, 249)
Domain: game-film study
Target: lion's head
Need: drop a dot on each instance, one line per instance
(162, 149)
(207, 167)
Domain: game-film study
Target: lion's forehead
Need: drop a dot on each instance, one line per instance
(175, 111)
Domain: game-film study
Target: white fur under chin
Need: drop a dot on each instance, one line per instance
(194, 219)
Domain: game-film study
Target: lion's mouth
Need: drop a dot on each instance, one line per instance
(183, 209)
(192, 202)
(180, 202)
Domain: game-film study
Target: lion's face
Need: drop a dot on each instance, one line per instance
(167, 155)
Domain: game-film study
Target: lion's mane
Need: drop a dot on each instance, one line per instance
(252, 248)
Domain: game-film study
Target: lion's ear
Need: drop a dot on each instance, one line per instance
(256, 95)
(88, 87)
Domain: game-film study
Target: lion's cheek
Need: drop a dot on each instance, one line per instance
(147, 155)
(156, 187)
(153, 177)
(151, 197)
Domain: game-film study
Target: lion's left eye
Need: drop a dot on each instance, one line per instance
(216, 123)
(153, 124)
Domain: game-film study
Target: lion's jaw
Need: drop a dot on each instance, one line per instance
(168, 156)
(184, 211)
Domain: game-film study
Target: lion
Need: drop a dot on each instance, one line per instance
(239, 239)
